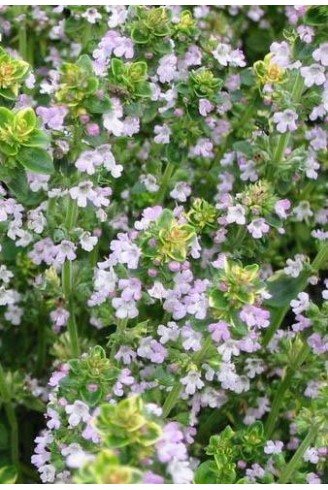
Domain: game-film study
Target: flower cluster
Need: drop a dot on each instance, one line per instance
(163, 224)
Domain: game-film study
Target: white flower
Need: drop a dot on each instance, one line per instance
(162, 134)
(294, 267)
(180, 471)
(71, 449)
(227, 349)
(78, 459)
(82, 193)
(222, 54)
(125, 309)
(236, 214)
(109, 161)
(92, 15)
(36, 221)
(301, 304)
(7, 296)
(302, 211)
(192, 339)
(258, 228)
(87, 241)
(149, 181)
(313, 75)
(285, 120)
(181, 191)
(169, 332)
(105, 281)
(14, 314)
(192, 382)
(78, 412)
(311, 455)
(167, 67)
(47, 473)
(273, 447)
(66, 250)
(321, 54)
(157, 291)
(280, 54)
(5, 274)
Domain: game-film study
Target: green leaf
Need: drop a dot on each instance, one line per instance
(18, 184)
(206, 473)
(6, 93)
(92, 398)
(143, 89)
(6, 116)
(243, 147)
(85, 63)
(165, 219)
(8, 475)
(26, 117)
(98, 106)
(317, 15)
(38, 139)
(36, 160)
(7, 149)
(138, 71)
(284, 288)
(140, 36)
(92, 85)
(118, 67)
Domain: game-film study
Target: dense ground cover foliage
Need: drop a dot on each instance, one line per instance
(163, 223)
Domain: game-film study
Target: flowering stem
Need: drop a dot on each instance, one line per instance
(174, 394)
(283, 139)
(168, 172)
(319, 262)
(11, 416)
(67, 282)
(293, 463)
(284, 386)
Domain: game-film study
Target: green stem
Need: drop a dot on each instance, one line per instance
(121, 326)
(202, 353)
(22, 35)
(240, 235)
(67, 278)
(321, 259)
(73, 334)
(319, 262)
(283, 388)
(41, 354)
(93, 257)
(165, 182)
(282, 144)
(172, 399)
(293, 463)
(71, 214)
(11, 416)
(251, 105)
(67, 282)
